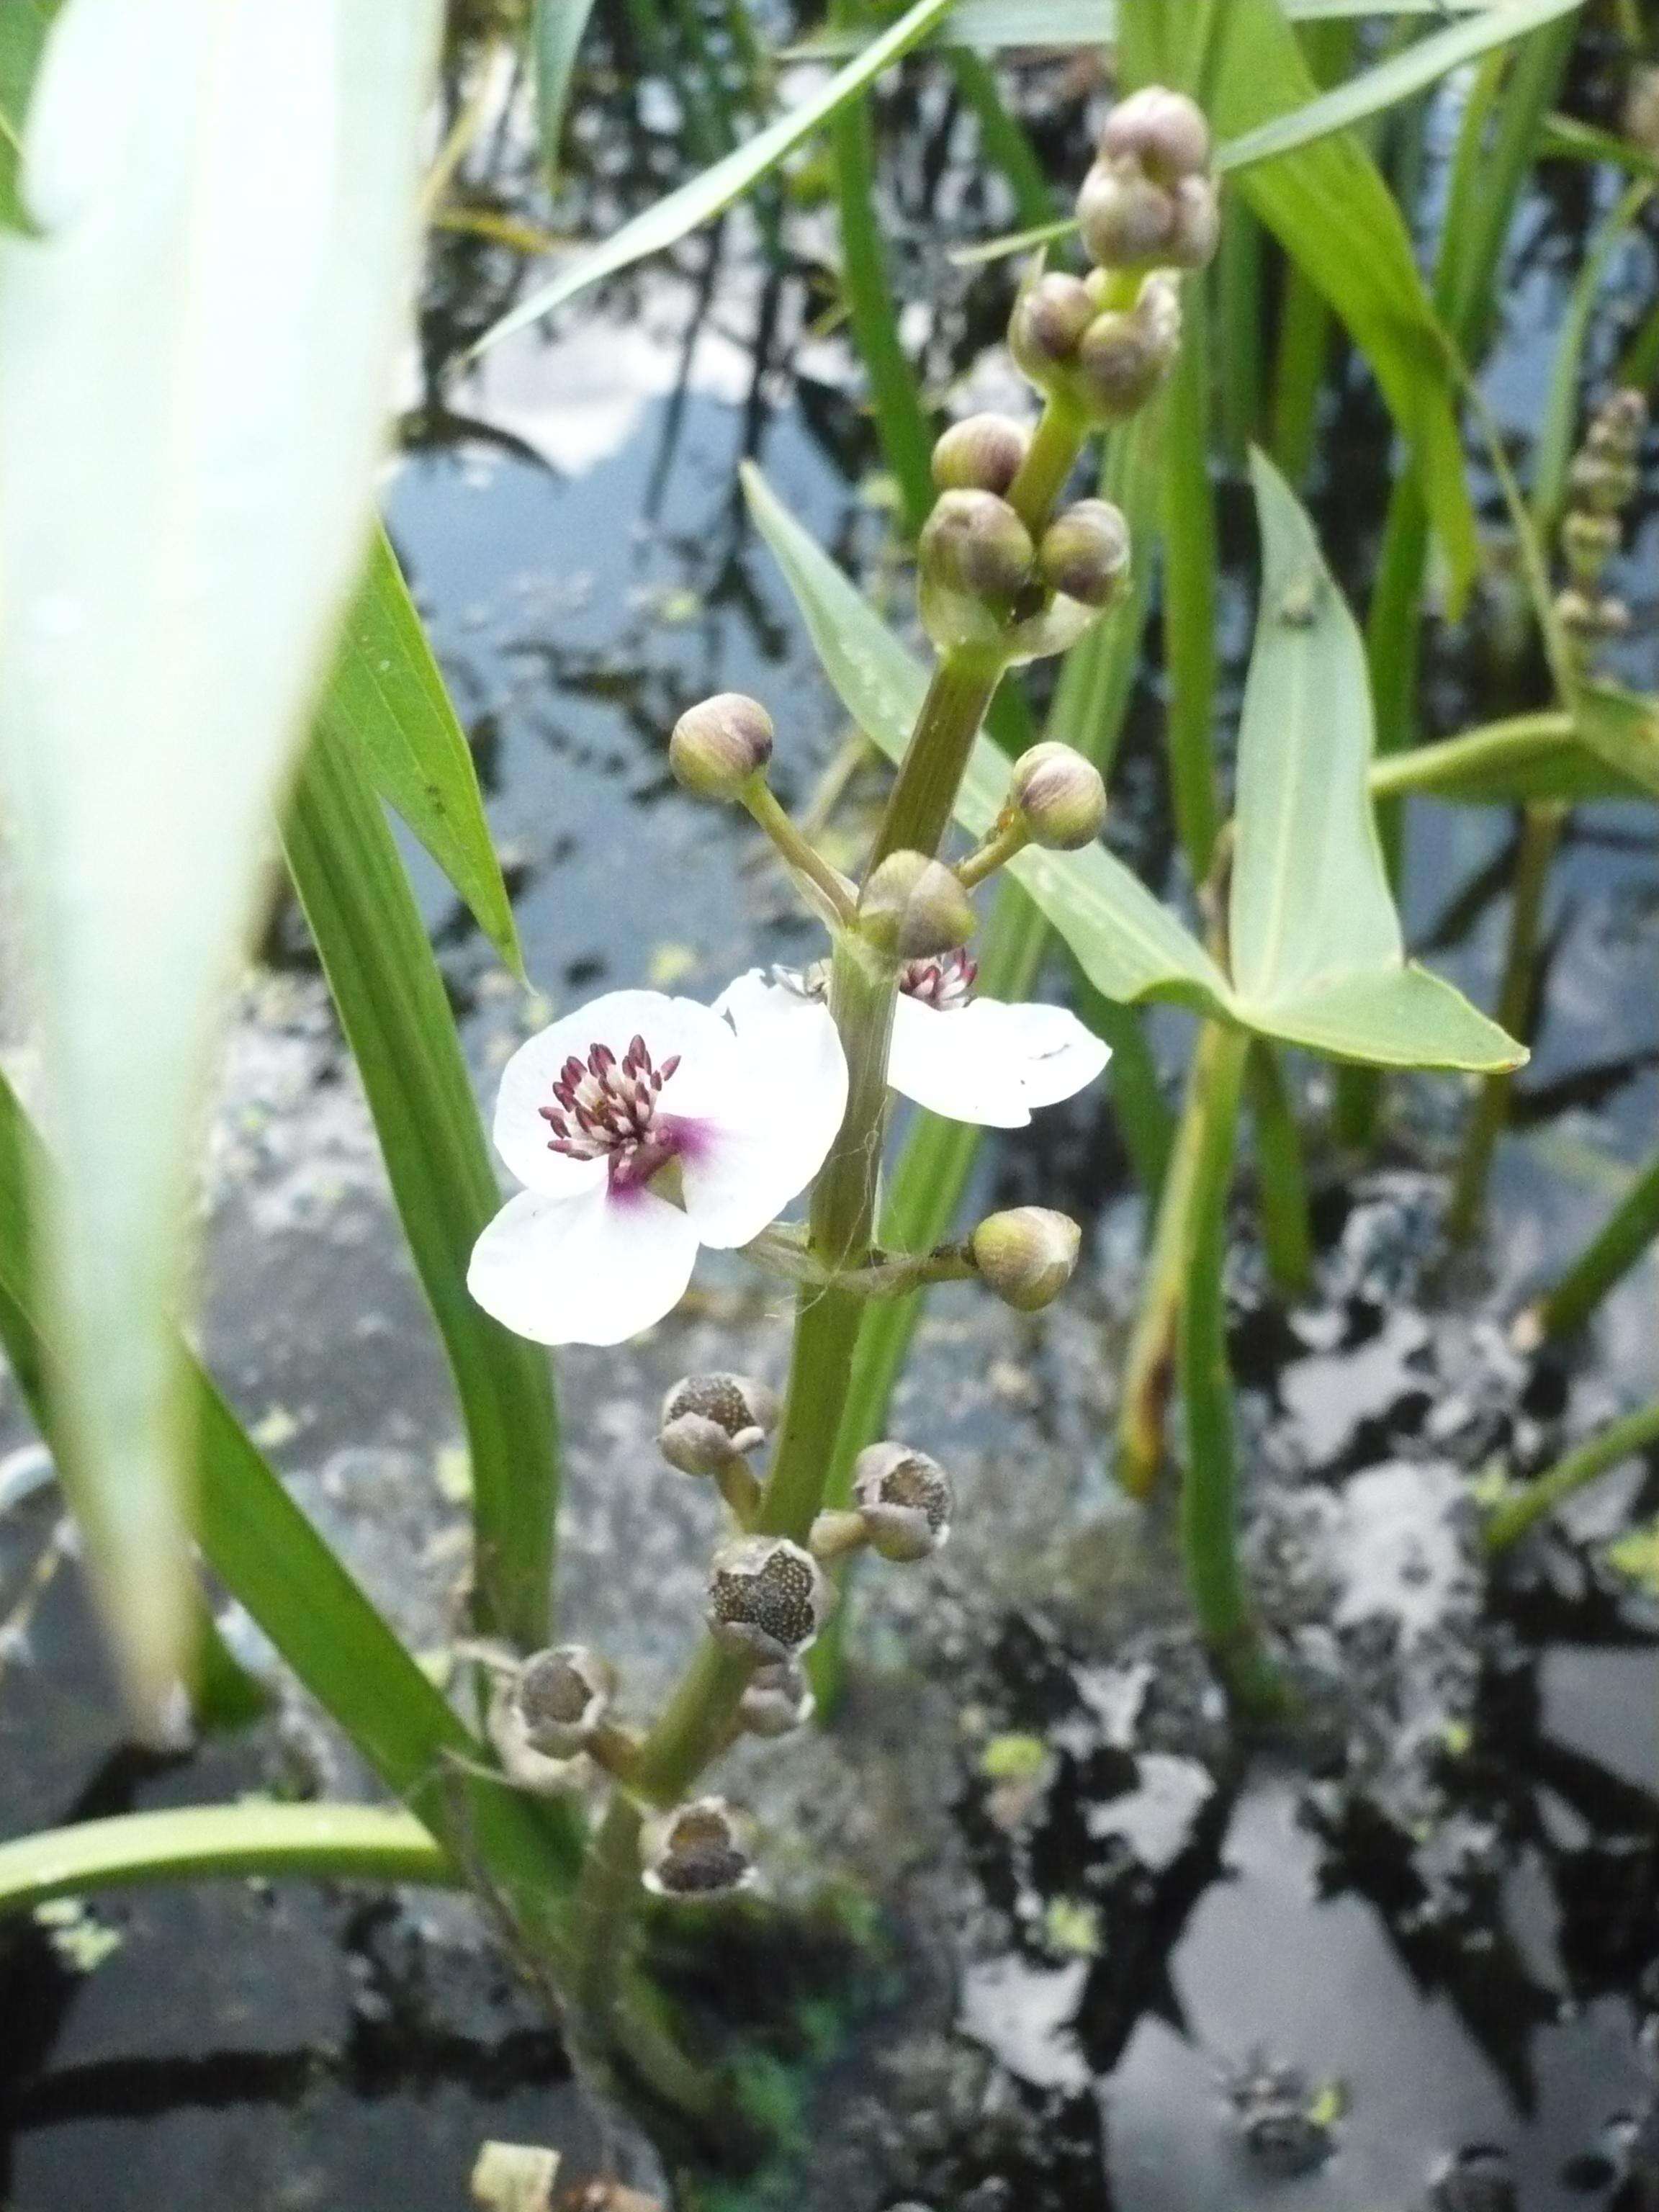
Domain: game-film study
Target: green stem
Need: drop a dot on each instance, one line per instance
(1209, 1511)
(1043, 474)
(1524, 1507)
(1541, 834)
(1611, 1253)
(1190, 561)
(924, 791)
(1500, 751)
(770, 816)
(1282, 1179)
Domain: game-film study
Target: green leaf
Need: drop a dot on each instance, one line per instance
(1410, 70)
(1128, 944)
(706, 195)
(23, 27)
(1621, 729)
(556, 35)
(989, 24)
(388, 697)
(1531, 757)
(350, 878)
(189, 1843)
(227, 194)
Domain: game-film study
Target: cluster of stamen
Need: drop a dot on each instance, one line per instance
(945, 982)
(608, 1106)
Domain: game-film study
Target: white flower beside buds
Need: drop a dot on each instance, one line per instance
(720, 746)
(708, 1420)
(767, 1598)
(1057, 797)
(777, 1700)
(701, 1850)
(1026, 1255)
(914, 909)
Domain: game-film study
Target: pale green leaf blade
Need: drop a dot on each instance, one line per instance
(225, 198)
(1530, 757)
(1621, 729)
(388, 697)
(556, 35)
(23, 27)
(194, 1842)
(705, 196)
(1310, 894)
(990, 24)
(1411, 70)
(1394, 1017)
(1127, 944)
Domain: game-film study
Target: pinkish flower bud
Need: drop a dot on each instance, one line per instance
(1164, 131)
(1059, 795)
(700, 1852)
(767, 1598)
(1125, 357)
(778, 1700)
(1049, 320)
(1026, 1255)
(914, 907)
(975, 544)
(709, 1419)
(1085, 553)
(983, 453)
(720, 745)
(904, 1500)
(1127, 221)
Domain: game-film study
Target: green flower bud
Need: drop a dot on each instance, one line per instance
(1127, 221)
(904, 1500)
(981, 454)
(701, 1851)
(1059, 795)
(914, 909)
(1049, 320)
(1162, 130)
(768, 1598)
(719, 746)
(1026, 1255)
(975, 544)
(709, 1419)
(1124, 357)
(1197, 229)
(1085, 553)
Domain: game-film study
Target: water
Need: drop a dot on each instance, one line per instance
(1119, 1965)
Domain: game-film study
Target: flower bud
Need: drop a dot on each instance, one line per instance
(1164, 131)
(1085, 553)
(1125, 357)
(767, 1597)
(1127, 221)
(914, 909)
(560, 1698)
(1619, 423)
(1026, 1255)
(719, 746)
(904, 1500)
(1049, 320)
(982, 452)
(700, 1850)
(1641, 116)
(1590, 542)
(709, 1419)
(1059, 795)
(1196, 232)
(973, 543)
(778, 1700)
(1601, 482)
(1591, 617)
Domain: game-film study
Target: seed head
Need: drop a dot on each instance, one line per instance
(778, 1700)
(718, 746)
(1059, 795)
(982, 452)
(767, 1597)
(1162, 131)
(1085, 553)
(914, 909)
(905, 1499)
(700, 1850)
(1026, 1255)
(1048, 324)
(530, 1762)
(709, 1419)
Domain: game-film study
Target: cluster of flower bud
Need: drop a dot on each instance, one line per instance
(700, 1852)
(1601, 484)
(985, 586)
(1079, 341)
(913, 907)
(901, 1508)
(1150, 200)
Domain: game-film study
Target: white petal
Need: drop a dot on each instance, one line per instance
(696, 1032)
(770, 1137)
(957, 1061)
(1056, 1054)
(591, 1269)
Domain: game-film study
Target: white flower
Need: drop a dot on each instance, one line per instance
(971, 1060)
(642, 1127)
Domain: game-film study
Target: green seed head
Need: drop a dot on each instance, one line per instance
(719, 745)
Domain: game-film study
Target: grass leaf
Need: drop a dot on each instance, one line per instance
(556, 35)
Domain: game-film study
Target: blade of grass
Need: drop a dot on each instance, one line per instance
(1239, 322)
(1553, 451)
(1530, 1503)
(1188, 537)
(1003, 137)
(556, 36)
(393, 1006)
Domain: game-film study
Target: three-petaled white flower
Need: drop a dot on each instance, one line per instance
(987, 1060)
(642, 1127)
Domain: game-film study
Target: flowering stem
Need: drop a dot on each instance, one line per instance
(1055, 444)
(998, 848)
(919, 805)
(762, 803)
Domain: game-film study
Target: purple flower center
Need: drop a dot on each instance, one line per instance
(945, 982)
(611, 1109)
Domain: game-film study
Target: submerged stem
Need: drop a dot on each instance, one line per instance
(1518, 1512)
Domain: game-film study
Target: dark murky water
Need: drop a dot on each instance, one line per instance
(1414, 1965)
